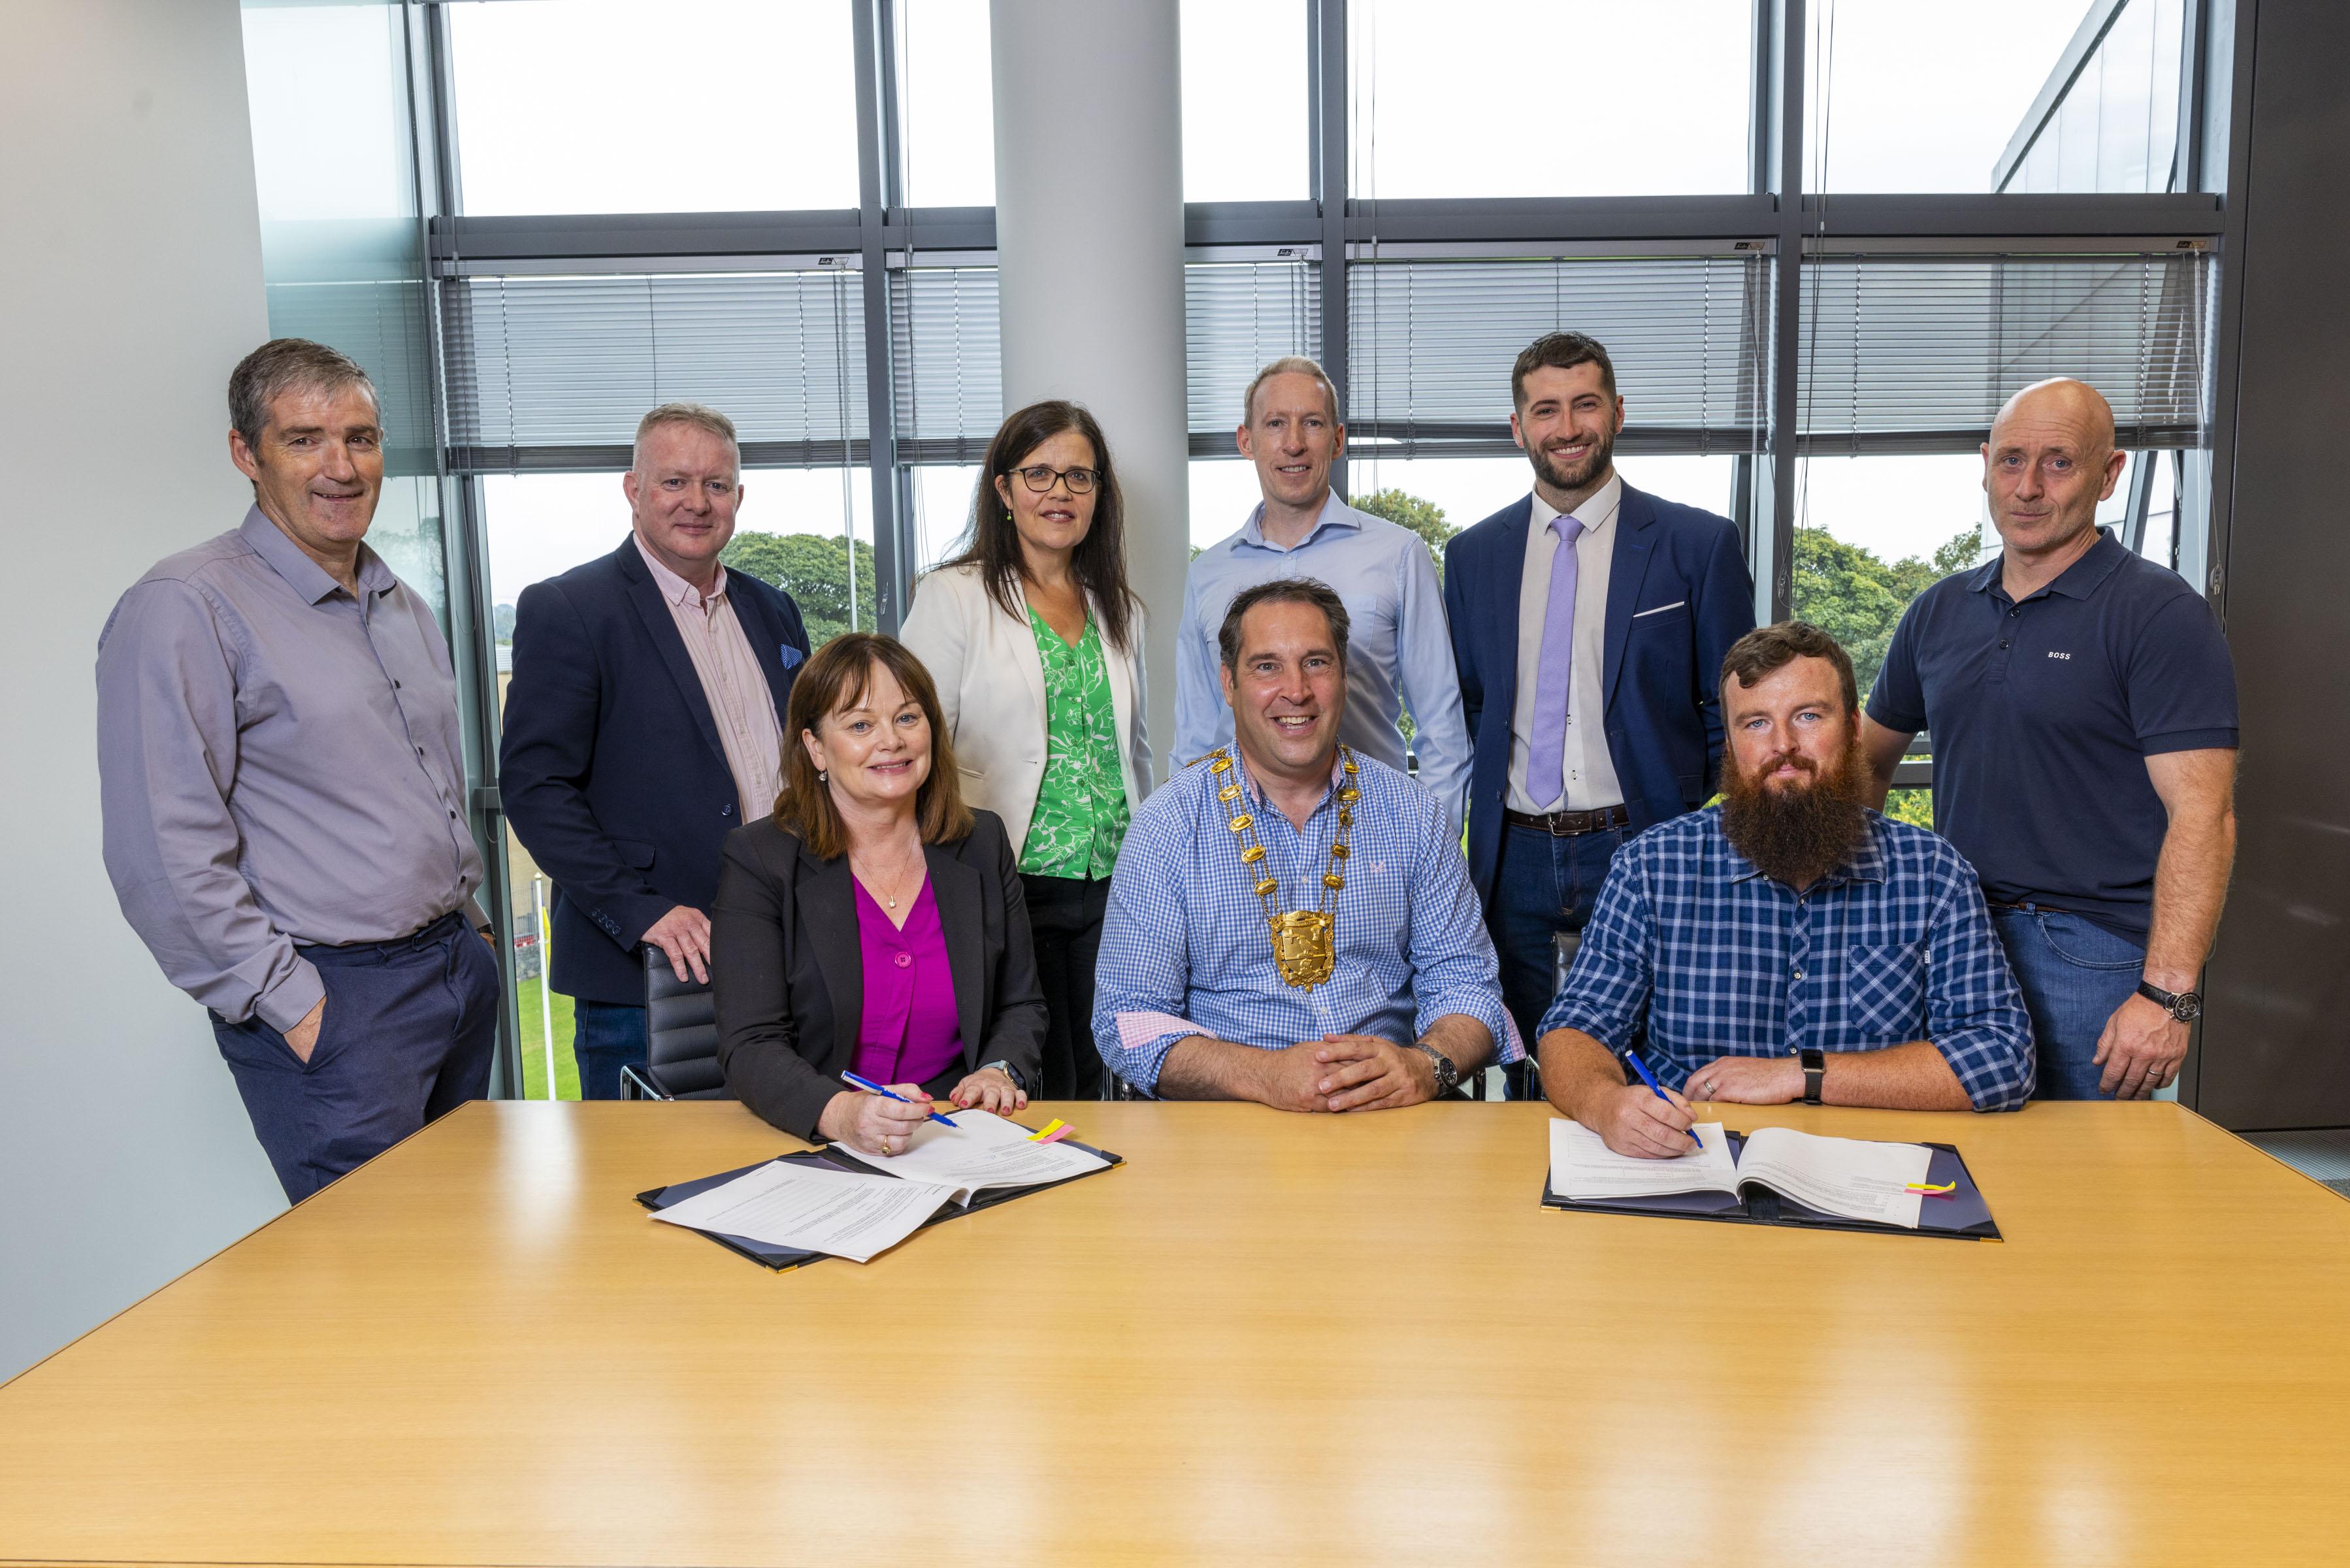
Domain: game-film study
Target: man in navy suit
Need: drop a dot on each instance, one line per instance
(1589, 622)
(642, 725)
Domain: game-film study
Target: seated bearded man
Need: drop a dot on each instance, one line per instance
(1294, 925)
(1789, 944)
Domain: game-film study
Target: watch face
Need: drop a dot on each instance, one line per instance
(2187, 1008)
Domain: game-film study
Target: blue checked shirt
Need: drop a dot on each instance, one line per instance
(1719, 961)
(1184, 949)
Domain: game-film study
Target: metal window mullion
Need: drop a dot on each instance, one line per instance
(875, 95)
(1327, 79)
(1775, 530)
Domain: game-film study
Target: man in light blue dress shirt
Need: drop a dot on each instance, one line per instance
(1400, 649)
(1292, 922)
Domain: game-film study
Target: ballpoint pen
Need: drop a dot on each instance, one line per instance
(871, 1087)
(1659, 1090)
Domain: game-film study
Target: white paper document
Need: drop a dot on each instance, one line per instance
(1582, 1166)
(812, 1210)
(1850, 1178)
(978, 1152)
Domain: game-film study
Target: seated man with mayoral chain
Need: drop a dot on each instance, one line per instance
(1293, 924)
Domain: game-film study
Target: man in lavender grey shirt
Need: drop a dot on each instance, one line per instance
(283, 790)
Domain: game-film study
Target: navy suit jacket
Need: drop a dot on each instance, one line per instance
(610, 768)
(1679, 595)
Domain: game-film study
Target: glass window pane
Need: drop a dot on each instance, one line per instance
(1436, 108)
(1247, 132)
(946, 104)
(1872, 533)
(573, 105)
(942, 510)
(1905, 97)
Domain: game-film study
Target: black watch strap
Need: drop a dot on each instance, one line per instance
(1019, 1079)
(2186, 1006)
(1815, 1072)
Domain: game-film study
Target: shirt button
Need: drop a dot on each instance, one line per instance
(1799, 972)
(2002, 642)
(904, 960)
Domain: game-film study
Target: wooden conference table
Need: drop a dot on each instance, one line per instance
(1343, 1340)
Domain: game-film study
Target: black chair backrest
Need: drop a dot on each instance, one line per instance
(680, 1034)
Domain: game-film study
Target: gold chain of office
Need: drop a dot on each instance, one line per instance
(1305, 946)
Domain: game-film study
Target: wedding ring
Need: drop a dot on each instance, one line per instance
(1709, 1085)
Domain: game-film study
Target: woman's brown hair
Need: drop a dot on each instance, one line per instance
(835, 678)
(992, 542)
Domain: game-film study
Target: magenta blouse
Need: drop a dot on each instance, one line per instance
(910, 1034)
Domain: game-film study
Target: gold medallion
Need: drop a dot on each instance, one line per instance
(1303, 948)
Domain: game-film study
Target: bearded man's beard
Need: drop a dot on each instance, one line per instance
(1595, 463)
(1798, 834)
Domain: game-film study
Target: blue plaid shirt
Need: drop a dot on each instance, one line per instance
(1184, 949)
(1718, 960)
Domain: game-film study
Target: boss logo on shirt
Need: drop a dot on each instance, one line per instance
(2053, 654)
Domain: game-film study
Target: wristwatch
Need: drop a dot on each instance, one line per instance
(1009, 1071)
(2186, 1006)
(1815, 1069)
(1448, 1076)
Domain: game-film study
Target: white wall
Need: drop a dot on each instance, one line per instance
(129, 286)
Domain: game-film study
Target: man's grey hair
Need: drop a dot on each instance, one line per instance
(695, 416)
(1281, 591)
(288, 365)
(1290, 364)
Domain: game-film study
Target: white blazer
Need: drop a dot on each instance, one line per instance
(991, 683)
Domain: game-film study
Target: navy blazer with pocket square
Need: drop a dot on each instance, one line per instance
(610, 768)
(1679, 595)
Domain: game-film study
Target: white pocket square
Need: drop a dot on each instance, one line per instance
(1660, 609)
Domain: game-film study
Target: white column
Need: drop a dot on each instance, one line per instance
(1090, 236)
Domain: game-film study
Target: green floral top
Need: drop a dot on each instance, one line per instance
(1081, 810)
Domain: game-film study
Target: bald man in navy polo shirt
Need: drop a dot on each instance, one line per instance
(2084, 711)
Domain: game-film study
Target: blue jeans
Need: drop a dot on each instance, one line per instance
(2073, 972)
(1544, 884)
(606, 1036)
(406, 1037)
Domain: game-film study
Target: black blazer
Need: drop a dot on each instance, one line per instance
(787, 975)
(609, 768)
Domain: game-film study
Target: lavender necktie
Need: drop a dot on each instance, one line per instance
(1546, 747)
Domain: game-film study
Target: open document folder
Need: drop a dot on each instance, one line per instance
(1774, 1177)
(824, 1203)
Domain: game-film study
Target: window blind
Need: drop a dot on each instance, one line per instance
(946, 362)
(1916, 353)
(554, 372)
(1238, 316)
(1433, 342)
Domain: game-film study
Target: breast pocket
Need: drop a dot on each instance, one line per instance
(1884, 993)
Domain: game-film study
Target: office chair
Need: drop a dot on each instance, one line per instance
(680, 1040)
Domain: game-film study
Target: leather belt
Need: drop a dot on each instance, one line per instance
(1570, 823)
(2035, 907)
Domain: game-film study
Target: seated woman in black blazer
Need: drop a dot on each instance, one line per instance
(874, 923)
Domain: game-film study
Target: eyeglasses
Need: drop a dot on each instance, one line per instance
(1039, 478)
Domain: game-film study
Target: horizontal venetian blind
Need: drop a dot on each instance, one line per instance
(554, 372)
(1239, 316)
(946, 355)
(1432, 343)
(1916, 353)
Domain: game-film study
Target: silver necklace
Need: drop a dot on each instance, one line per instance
(873, 884)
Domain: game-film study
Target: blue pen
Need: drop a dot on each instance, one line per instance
(1659, 1090)
(871, 1087)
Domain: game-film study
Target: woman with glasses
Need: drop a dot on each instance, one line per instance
(1035, 643)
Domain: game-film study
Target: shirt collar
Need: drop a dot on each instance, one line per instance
(1254, 791)
(1596, 513)
(1334, 514)
(2083, 578)
(1866, 864)
(675, 589)
(302, 574)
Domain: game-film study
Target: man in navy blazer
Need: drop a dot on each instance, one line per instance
(1589, 622)
(642, 725)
